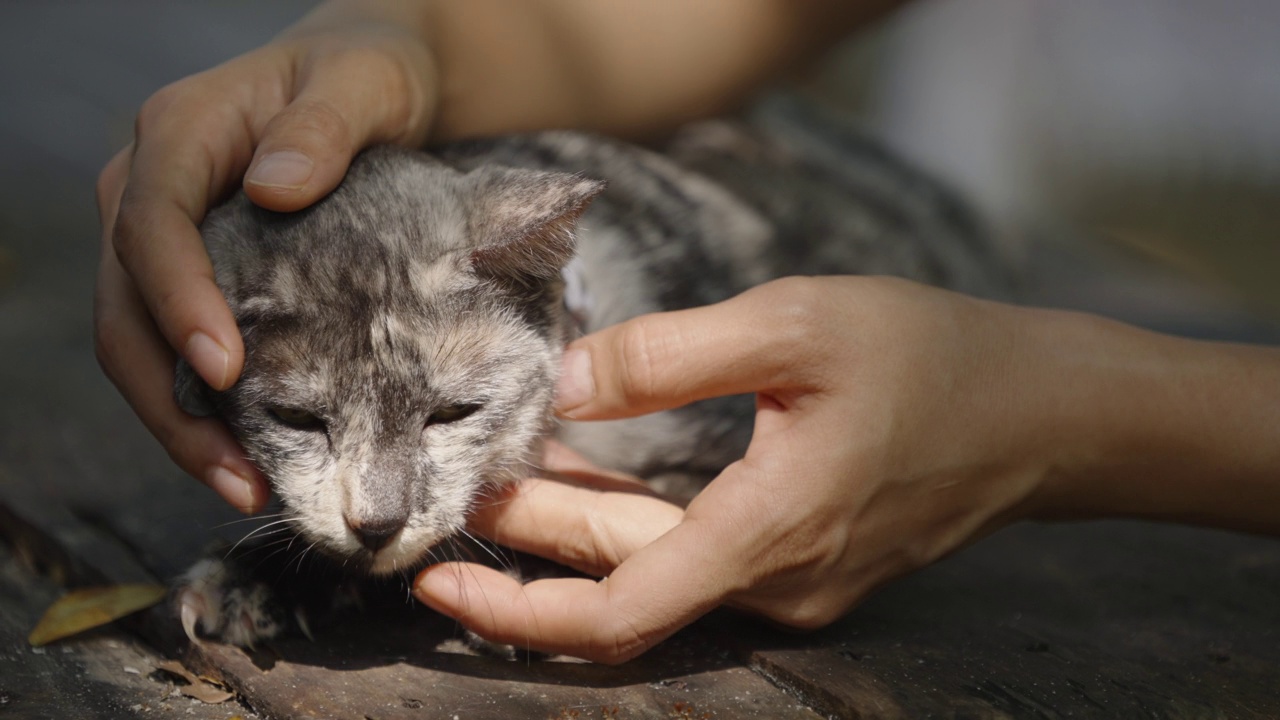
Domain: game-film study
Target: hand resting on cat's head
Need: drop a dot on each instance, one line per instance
(284, 120)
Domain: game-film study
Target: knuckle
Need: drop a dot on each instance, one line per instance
(581, 546)
(169, 306)
(160, 105)
(576, 545)
(127, 235)
(373, 62)
(806, 615)
(172, 440)
(637, 374)
(106, 344)
(316, 122)
(105, 188)
(184, 450)
(617, 641)
(391, 76)
(359, 57)
(795, 311)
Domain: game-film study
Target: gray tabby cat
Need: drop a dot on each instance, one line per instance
(403, 335)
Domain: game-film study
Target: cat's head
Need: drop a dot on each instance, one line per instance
(402, 338)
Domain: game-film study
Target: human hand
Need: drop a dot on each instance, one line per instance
(893, 425)
(292, 113)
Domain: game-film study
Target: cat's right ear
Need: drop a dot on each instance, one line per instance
(191, 392)
(521, 221)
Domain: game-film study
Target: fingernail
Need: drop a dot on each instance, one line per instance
(283, 169)
(577, 385)
(234, 489)
(209, 359)
(435, 589)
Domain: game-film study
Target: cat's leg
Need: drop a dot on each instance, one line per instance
(258, 591)
(216, 600)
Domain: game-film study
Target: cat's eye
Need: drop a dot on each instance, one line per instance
(296, 418)
(452, 413)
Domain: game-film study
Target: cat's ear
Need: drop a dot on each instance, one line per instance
(191, 392)
(521, 221)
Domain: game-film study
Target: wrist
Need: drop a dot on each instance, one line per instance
(1137, 424)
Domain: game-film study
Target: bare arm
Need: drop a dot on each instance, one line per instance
(627, 68)
(1154, 426)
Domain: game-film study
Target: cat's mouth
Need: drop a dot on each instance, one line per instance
(402, 554)
(389, 562)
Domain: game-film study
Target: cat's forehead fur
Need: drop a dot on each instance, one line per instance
(378, 237)
(382, 273)
(340, 297)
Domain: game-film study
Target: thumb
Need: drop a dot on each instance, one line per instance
(344, 102)
(755, 342)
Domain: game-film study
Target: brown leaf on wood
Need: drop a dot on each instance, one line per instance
(196, 687)
(81, 610)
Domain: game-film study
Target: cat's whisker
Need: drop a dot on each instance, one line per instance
(470, 570)
(257, 547)
(257, 532)
(502, 561)
(304, 555)
(264, 560)
(263, 540)
(255, 518)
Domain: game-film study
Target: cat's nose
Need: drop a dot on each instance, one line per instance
(375, 533)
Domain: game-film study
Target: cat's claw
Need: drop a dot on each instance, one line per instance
(191, 607)
(215, 600)
(300, 616)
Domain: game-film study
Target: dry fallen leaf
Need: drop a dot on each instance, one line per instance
(81, 610)
(197, 687)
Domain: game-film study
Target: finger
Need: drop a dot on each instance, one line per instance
(342, 102)
(111, 186)
(589, 530)
(567, 464)
(187, 150)
(141, 365)
(659, 589)
(750, 343)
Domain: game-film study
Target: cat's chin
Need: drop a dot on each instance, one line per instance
(393, 559)
(388, 562)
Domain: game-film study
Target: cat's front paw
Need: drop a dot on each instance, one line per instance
(217, 600)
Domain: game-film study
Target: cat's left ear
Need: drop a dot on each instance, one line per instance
(521, 221)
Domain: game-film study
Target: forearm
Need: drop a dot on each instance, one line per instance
(625, 68)
(1148, 425)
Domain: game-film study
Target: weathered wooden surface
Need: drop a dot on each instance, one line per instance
(394, 674)
(1101, 620)
(104, 674)
(1098, 620)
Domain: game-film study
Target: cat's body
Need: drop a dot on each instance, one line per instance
(403, 335)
